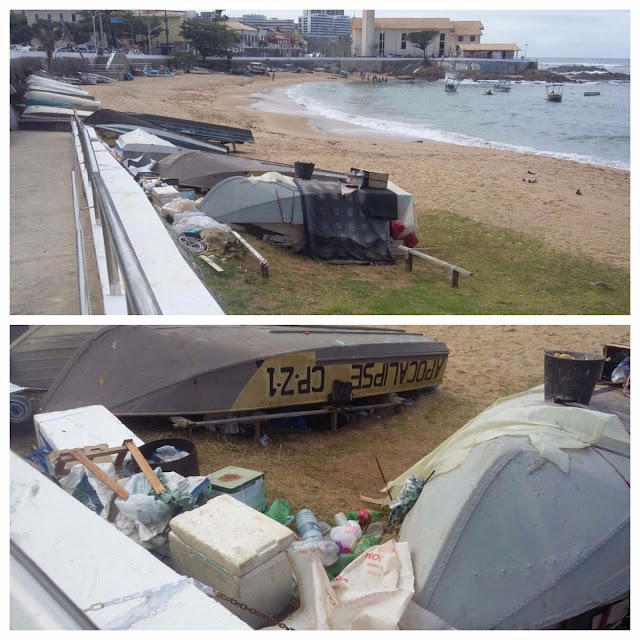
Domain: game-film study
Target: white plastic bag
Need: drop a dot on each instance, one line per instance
(149, 515)
(71, 481)
(201, 220)
(371, 593)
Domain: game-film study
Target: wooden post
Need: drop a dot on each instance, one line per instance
(257, 427)
(454, 278)
(408, 261)
(153, 479)
(334, 421)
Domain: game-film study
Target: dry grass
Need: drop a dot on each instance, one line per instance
(328, 472)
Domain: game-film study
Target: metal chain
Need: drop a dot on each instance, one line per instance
(251, 610)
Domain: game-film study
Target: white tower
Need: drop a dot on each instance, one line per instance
(368, 26)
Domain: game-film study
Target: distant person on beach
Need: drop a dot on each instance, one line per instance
(273, 76)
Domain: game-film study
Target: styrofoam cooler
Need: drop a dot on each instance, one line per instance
(238, 551)
(81, 427)
(245, 485)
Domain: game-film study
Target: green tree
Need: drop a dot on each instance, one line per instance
(422, 39)
(19, 30)
(47, 34)
(79, 32)
(210, 38)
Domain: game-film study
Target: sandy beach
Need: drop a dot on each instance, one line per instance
(481, 184)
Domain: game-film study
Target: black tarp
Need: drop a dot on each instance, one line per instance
(337, 228)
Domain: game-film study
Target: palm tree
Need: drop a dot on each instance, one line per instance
(47, 34)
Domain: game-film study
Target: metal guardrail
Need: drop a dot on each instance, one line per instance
(83, 288)
(120, 255)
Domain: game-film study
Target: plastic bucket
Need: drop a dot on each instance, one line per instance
(187, 466)
(304, 170)
(571, 379)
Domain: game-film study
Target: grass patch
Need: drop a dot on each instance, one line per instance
(513, 274)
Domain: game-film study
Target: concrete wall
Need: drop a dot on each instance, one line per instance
(499, 67)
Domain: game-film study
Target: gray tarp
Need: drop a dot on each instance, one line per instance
(510, 539)
(339, 227)
(204, 170)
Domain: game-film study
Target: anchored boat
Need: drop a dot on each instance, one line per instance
(163, 370)
(554, 92)
(451, 83)
(503, 86)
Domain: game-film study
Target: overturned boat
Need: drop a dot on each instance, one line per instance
(163, 370)
(526, 522)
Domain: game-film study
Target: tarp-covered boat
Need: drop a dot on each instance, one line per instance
(526, 523)
(147, 370)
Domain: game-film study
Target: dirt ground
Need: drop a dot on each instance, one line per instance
(328, 472)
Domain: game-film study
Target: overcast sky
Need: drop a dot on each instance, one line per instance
(565, 33)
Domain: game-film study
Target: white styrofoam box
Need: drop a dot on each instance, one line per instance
(116, 581)
(81, 427)
(164, 195)
(268, 588)
(233, 535)
(243, 484)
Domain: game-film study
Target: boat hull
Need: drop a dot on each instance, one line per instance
(47, 98)
(220, 370)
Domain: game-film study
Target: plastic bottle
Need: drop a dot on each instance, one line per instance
(346, 535)
(340, 519)
(308, 525)
(326, 550)
(622, 371)
(344, 559)
(366, 542)
(364, 516)
(376, 529)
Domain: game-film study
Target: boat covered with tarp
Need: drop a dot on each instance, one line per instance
(203, 170)
(167, 370)
(524, 520)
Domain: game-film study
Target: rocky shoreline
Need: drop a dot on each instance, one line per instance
(565, 74)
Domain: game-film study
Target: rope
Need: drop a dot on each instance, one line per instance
(193, 244)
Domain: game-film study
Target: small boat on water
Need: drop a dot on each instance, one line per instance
(554, 92)
(487, 92)
(451, 83)
(503, 86)
(591, 93)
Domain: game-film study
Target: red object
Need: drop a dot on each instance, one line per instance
(396, 229)
(410, 240)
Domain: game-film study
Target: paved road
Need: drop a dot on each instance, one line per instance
(43, 245)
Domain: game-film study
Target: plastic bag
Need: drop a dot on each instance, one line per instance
(280, 511)
(150, 516)
(167, 453)
(202, 221)
(84, 486)
(371, 593)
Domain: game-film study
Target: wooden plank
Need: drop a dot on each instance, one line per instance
(212, 263)
(153, 479)
(264, 264)
(100, 452)
(100, 474)
(440, 263)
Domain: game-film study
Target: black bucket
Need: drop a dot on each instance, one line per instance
(304, 170)
(571, 379)
(187, 466)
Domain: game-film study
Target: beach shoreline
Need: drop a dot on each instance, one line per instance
(532, 194)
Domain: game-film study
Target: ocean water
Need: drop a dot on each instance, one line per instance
(593, 130)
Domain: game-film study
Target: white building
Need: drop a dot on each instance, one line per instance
(321, 24)
(371, 36)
